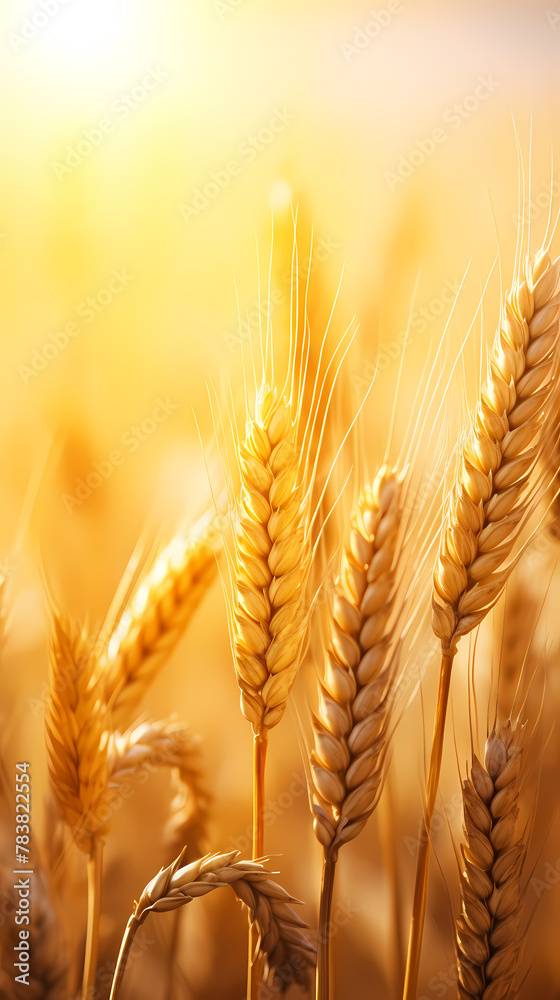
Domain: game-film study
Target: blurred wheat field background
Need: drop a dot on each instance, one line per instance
(153, 155)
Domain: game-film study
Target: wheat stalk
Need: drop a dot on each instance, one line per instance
(488, 939)
(281, 932)
(156, 616)
(357, 692)
(494, 491)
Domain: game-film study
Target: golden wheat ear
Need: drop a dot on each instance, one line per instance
(271, 476)
(76, 724)
(357, 693)
(495, 491)
(488, 931)
(281, 934)
(358, 689)
(272, 562)
(495, 487)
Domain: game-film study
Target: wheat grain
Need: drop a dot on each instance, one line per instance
(156, 617)
(489, 941)
(272, 562)
(357, 693)
(282, 934)
(493, 491)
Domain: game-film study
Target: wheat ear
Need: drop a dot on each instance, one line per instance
(271, 563)
(281, 932)
(357, 692)
(488, 940)
(156, 617)
(76, 723)
(76, 732)
(494, 491)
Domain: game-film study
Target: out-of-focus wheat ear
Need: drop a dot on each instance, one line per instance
(191, 805)
(489, 934)
(76, 724)
(352, 725)
(134, 754)
(156, 616)
(495, 490)
(282, 935)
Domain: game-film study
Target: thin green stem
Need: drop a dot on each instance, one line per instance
(94, 876)
(323, 980)
(421, 884)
